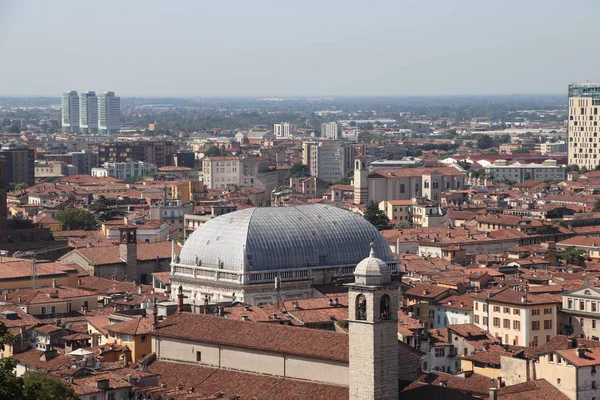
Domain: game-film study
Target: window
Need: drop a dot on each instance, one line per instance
(535, 311)
(581, 305)
(497, 322)
(516, 311)
(517, 325)
(506, 324)
(535, 325)
(558, 381)
(551, 357)
(402, 188)
(570, 303)
(485, 321)
(548, 324)
(506, 310)
(43, 310)
(477, 319)
(594, 307)
(593, 324)
(547, 310)
(112, 396)
(127, 338)
(476, 306)
(485, 308)
(53, 310)
(198, 356)
(440, 352)
(496, 308)
(143, 339)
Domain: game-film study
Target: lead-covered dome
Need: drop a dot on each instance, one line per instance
(271, 238)
(372, 270)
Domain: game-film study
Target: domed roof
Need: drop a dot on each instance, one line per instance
(372, 270)
(271, 238)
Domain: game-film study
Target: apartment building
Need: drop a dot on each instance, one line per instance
(70, 112)
(88, 112)
(553, 147)
(154, 152)
(20, 162)
(171, 211)
(580, 313)
(331, 130)
(284, 130)
(328, 160)
(584, 100)
(124, 170)
(517, 317)
(109, 113)
(221, 172)
(548, 170)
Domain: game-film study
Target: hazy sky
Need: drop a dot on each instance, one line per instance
(296, 47)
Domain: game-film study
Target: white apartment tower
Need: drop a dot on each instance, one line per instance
(88, 112)
(330, 130)
(373, 331)
(584, 101)
(70, 112)
(284, 130)
(109, 113)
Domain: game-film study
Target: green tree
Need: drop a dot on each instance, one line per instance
(41, 386)
(73, 219)
(376, 216)
(572, 167)
(21, 186)
(298, 170)
(214, 151)
(485, 142)
(572, 255)
(404, 224)
(596, 206)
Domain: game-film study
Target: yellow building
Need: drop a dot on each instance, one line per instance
(16, 274)
(186, 190)
(516, 317)
(134, 334)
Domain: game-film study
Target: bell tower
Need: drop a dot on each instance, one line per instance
(373, 336)
(361, 185)
(128, 251)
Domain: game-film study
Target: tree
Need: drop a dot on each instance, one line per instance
(596, 206)
(41, 386)
(573, 255)
(404, 224)
(376, 216)
(214, 151)
(73, 219)
(464, 165)
(299, 170)
(485, 142)
(21, 186)
(572, 167)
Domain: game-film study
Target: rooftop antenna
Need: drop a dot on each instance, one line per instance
(278, 290)
(32, 254)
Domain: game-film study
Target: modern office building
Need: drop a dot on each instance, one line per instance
(124, 170)
(328, 159)
(88, 112)
(109, 113)
(70, 112)
(584, 100)
(157, 152)
(284, 130)
(548, 170)
(331, 130)
(20, 162)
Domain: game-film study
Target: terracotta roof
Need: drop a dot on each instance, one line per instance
(267, 337)
(135, 326)
(426, 291)
(562, 342)
(22, 269)
(45, 295)
(473, 384)
(32, 358)
(531, 390)
(48, 329)
(591, 356)
(23, 320)
(511, 296)
(488, 356)
(208, 381)
(102, 255)
(587, 241)
(87, 385)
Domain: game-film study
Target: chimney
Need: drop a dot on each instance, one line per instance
(336, 302)
(139, 289)
(573, 343)
(244, 317)
(154, 315)
(180, 299)
(53, 282)
(331, 302)
(493, 394)
(78, 281)
(18, 299)
(523, 299)
(5, 297)
(581, 352)
(126, 357)
(499, 382)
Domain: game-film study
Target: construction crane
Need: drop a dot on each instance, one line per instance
(33, 253)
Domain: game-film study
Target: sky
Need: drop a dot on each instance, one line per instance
(296, 47)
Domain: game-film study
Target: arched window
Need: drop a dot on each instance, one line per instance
(402, 188)
(384, 307)
(361, 307)
(357, 164)
(426, 185)
(436, 185)
(587, 292)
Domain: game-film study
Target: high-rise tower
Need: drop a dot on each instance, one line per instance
(584, 101)
(109, 113)
(373, 325)
(70, 112)
(88, 112)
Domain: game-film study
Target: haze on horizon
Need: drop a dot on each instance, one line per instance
(295, 48)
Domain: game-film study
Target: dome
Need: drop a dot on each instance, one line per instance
(272, 238)
(372, 270)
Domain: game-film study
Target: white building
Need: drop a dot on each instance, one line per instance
(124, 170)
(109, 113)
(329, 160)
(584, 101)
(88, 112)
(284, 130)
(548, 170)
(556, 147)
(331, 130)
(220, 172)
(70, 112)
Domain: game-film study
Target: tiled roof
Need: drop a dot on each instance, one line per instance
(531, 390)
(591, 356)
(267, 337)
(45, 295)
(22, 269)
(135, 326)
(23, 319)
(32, 358)
(562, 342)
(209, 381)
(473, 384)
(426, 291)
(488, 356)
(102, 255)
(87, 385)
(511, 296)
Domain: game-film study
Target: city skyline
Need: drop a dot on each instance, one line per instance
(213, 49)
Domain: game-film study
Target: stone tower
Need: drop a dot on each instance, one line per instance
(373, 325)
(128, 251)
(361, 187)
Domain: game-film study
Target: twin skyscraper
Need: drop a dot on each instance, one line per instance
(91, 113)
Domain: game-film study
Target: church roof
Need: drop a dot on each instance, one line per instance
(272, 238)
